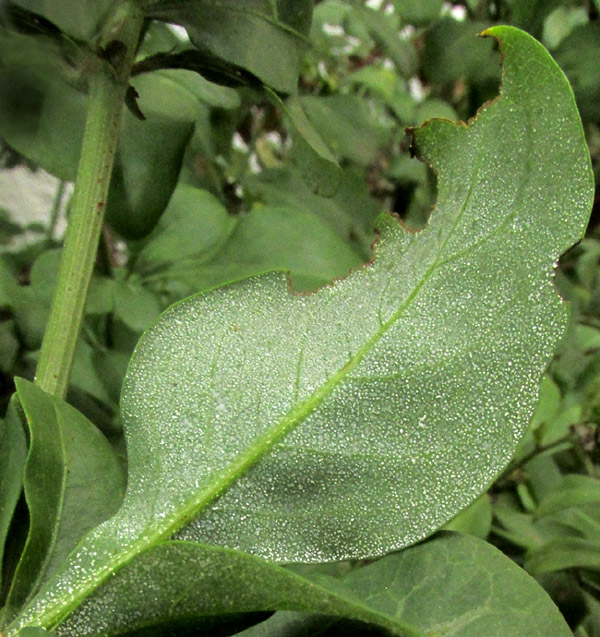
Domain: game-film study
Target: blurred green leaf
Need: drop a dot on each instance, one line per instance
(145, 173)
(314, 158)
(135, 305)
(346, 125)
(561, 22)
(79, 20)
(573, 491)
(529, 15)
(385, 32)
(418, 12)
(350, 212)
(578, 56)
(452, 52)
(564, 553)
(265, 239)
(44, 120)
(268, 38)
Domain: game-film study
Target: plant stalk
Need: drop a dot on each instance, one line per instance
(109, 81)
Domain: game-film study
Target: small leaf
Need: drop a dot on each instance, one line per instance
(73, 481)
(530, 15)
(452, 52)
(575, 490)
(47, 17)
(465, 587)
(314, 158)
(569, 552)
(350, 212)
(146, 171)
(387, 36)
(136, 306)
(346, 126)
(475, 520)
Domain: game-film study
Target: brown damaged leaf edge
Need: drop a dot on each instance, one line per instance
(414, 153)
(413, 130)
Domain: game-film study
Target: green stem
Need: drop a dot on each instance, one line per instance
(108, 86)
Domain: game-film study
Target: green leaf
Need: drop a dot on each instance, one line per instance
(191, 212)
(518, 528)
(230, 248)
(73, 481)
(386, 35)
(574, 490)
(13, 451)
(475, 520)
(147, 166)
(346, 125)
(530, 15)
(577, 56)
(452, 52)
(465, 587)
(136, 306)
(360, 419)
(158, 90)
(44, 120)
(351, 211)
(418, 12)
(79, 20)
(569, 552)
(265, 37)
(318, 165)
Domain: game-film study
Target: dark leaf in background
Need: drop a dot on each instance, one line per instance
(265, 37)
(578, 55)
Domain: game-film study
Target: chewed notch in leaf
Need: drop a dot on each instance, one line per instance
(359, 419)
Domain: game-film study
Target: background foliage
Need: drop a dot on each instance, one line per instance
(226, 165)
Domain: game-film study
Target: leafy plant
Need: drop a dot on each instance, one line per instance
(286, 448)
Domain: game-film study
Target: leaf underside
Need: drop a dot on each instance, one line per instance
(359, 419)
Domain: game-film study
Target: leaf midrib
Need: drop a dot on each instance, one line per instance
(55, 614)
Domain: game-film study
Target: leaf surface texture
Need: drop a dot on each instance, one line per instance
(360, 419)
